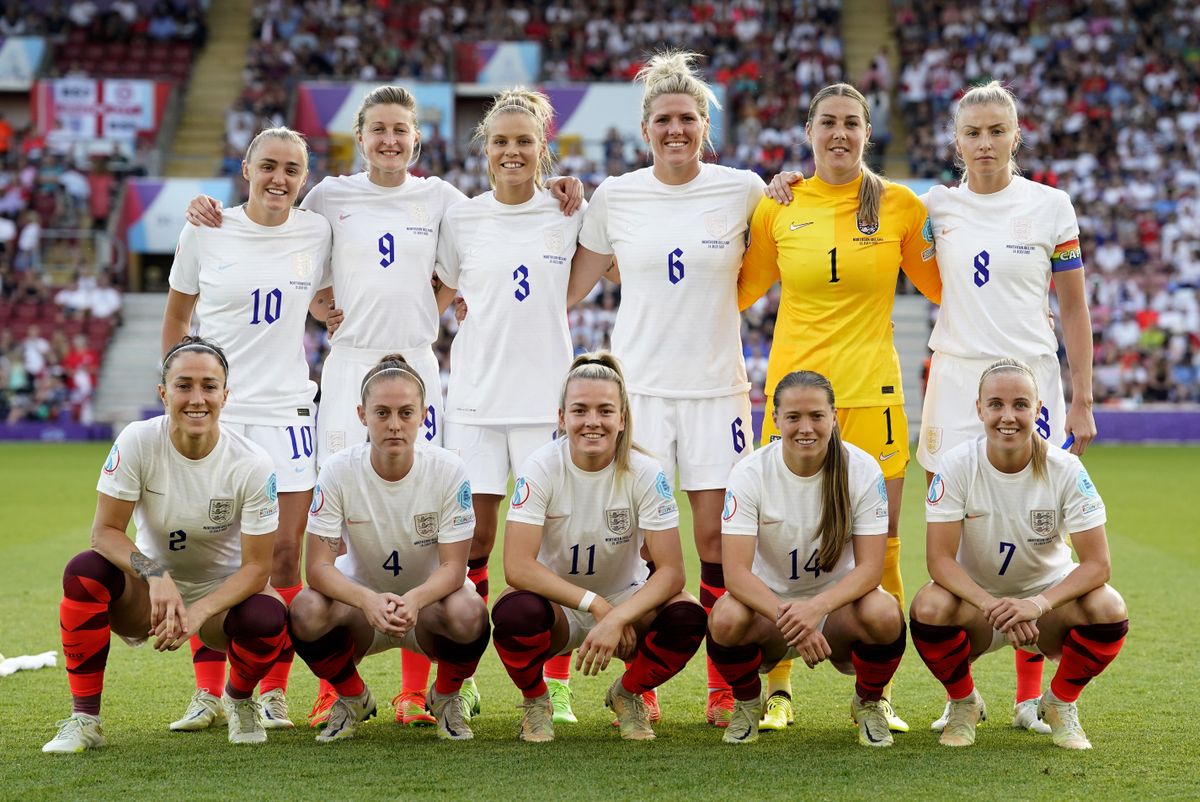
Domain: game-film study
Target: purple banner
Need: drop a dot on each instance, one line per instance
(55, 432)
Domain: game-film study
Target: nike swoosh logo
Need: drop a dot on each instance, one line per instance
(871, 737)
(882, 457)
(353, 522)
(226, 266)
(343, 216)
(797, 227)
(743, 736)
(970, 517)
(155, 492)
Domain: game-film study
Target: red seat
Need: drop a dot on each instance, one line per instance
(28, 313)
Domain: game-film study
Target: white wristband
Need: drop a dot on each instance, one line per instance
(586, 601)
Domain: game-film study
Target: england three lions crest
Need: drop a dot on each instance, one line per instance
(554, 240)
(420, 214)
(220, 511)
(426, 525)
(1043, 522)
(714, 223)
(933, 438)
(619, 521)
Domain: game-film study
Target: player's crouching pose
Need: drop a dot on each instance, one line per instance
(584, 508)
(205, 507)
(998, 513)
(406, 514)
(795, 589)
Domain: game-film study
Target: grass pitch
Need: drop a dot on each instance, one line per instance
(1135, 713)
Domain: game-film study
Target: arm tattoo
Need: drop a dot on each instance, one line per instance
(334, 543)
(144, 567)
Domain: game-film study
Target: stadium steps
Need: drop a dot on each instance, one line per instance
(867, 26)
(129, 372)
(910, 317)
(216, 82)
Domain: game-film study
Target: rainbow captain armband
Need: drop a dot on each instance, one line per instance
(1067, 256)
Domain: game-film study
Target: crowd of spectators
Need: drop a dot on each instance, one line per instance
(54, 324)
(1110, 113)
(106, 21)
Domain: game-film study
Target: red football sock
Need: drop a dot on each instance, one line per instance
(331, 658)
(414, 672)
(558, 667)
(522, 624)
(947, 652)
(1029, 675)
(277, 676)
(257, 630)
(477, 572)
(673, 637)
(457, 661)
(739, 667)
(1086, 651)
(874, 665)
(90, 584)
(712, 587)
(208, 665)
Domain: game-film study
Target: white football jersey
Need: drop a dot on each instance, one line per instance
(190, 514)
(384, 247)
(392, 529)
(1013, 525)
(997, 254)
(679, 249)
(593, 523)
(511, 264)
(255, 285)
(767, 501)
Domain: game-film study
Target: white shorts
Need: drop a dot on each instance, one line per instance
(948, 416)
(338, 425)
(702, 437)
(290, 447)
(190, 592)
(581, 623)
(492, 452)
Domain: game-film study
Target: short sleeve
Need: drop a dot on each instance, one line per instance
(325, 259)
(1083, 509)
(1067, 253)
(593, 235)
(946, 500)
(260, 499)
(314, 201)
(325, 517)
(458, 515)
(657, 509)
(449, 260)
(121, 475)
(451, 195)
(918, 257)
(740, 514)
(755, 191)
(185, 270)
(531, 496)
(871, 506)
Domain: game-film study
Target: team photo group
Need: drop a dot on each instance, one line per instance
(273, 523)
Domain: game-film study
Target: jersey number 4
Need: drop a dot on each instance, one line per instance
(392, 563)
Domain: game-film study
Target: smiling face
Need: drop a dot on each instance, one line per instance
(805, 420)
(1008, 406)
(838, 131)
(392, 412)
(388, 138)
(194, 393)
(514, 147)
(592, 418)
(276, 169)
(675, 132)
(986, 135)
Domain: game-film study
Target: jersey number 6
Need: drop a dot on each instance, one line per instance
(674, 266)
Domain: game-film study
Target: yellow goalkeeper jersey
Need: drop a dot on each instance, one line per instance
(839, 284)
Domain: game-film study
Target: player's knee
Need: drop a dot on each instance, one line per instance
(306, 615)
(683, 618)
(729, 620)
(259, 616)
(933, 605)
(1103, 606)
(93, 566)
(522, 613)
(465, 615)
(881, 617)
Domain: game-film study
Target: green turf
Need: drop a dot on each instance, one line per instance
(1135, 713)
